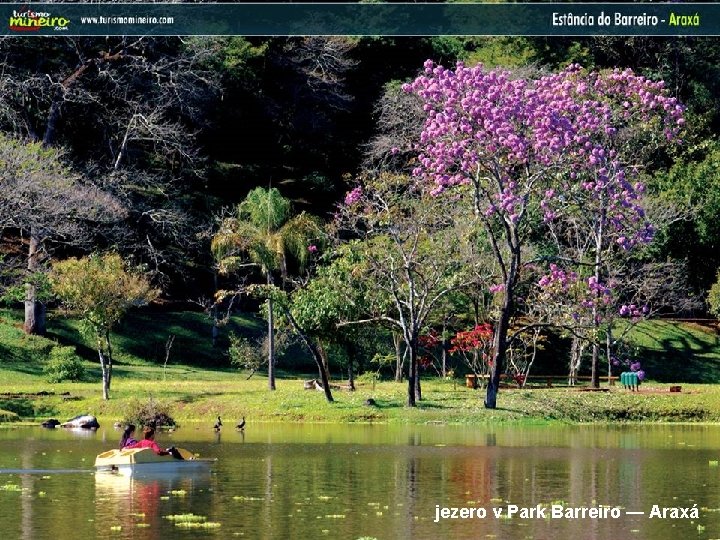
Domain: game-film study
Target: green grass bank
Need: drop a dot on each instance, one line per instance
(673, 353)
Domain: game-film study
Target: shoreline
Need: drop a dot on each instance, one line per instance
(444, 402)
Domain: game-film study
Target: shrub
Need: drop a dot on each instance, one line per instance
(714, 297)
(245, 354)
(149, 413)
(8, 416)
(64, 365)
(17, 407)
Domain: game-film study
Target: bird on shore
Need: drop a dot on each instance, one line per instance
(217, 425)
(241, 425)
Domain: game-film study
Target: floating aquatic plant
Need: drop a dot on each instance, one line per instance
(198, 524)
(186, 518)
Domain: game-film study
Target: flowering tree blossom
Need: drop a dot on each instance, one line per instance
(475, 347)
(521, 144)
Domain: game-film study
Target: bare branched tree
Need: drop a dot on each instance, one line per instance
(47, 203)
(400, 119)
(128, 108)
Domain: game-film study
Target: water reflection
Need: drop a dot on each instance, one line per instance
(142, 502)
(79, 432)
(278, 482)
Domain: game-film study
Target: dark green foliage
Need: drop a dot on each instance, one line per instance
(714, 297)
(693, 185)
(17, 406)
(149, 412)
(8, 416)
(64, 365)
(245, 354)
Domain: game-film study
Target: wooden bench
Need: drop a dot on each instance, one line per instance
(471, 380)
(550, 378)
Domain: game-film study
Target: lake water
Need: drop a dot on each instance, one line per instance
(279, 481)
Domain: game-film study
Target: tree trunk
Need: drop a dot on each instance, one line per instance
(214, 308)
(104, 370)
(34, 309)
(412, 372)
(501, 330)
(445, 347)
(418, 388)
(323, 356)
(350, 351)
(323, 373)
(577, 349)
(315, 354)
(215, 331)
(323, 376)
(351, 376)
(499, 350)
(397, 341)
(595, 373)
(52, 118)
(271, 341)
(108, 348)
(608, 352)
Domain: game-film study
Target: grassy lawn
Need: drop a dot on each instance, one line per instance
(686, 354)
(200, 395)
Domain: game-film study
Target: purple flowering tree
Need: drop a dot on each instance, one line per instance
(520, 144)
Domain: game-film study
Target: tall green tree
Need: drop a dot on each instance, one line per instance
(262, 233)
(410, 253)
(694, 185)
(101, 289)
(335, 293)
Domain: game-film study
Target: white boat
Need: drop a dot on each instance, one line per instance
(133, 461)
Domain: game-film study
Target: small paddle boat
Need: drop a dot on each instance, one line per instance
(131, 461)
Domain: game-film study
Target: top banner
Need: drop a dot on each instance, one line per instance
(360, 19)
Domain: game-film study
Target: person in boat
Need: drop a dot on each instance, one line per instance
(127, 437)
(148, 441)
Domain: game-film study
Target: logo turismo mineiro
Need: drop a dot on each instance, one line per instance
(28, 20)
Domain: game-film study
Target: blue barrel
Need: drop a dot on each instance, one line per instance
(630, 380)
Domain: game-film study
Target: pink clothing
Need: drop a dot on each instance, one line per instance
(147, 443)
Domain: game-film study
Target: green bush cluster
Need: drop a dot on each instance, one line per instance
(64, 365)
(150, 412)
(8, 416)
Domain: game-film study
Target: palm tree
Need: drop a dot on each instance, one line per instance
(264, 233)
